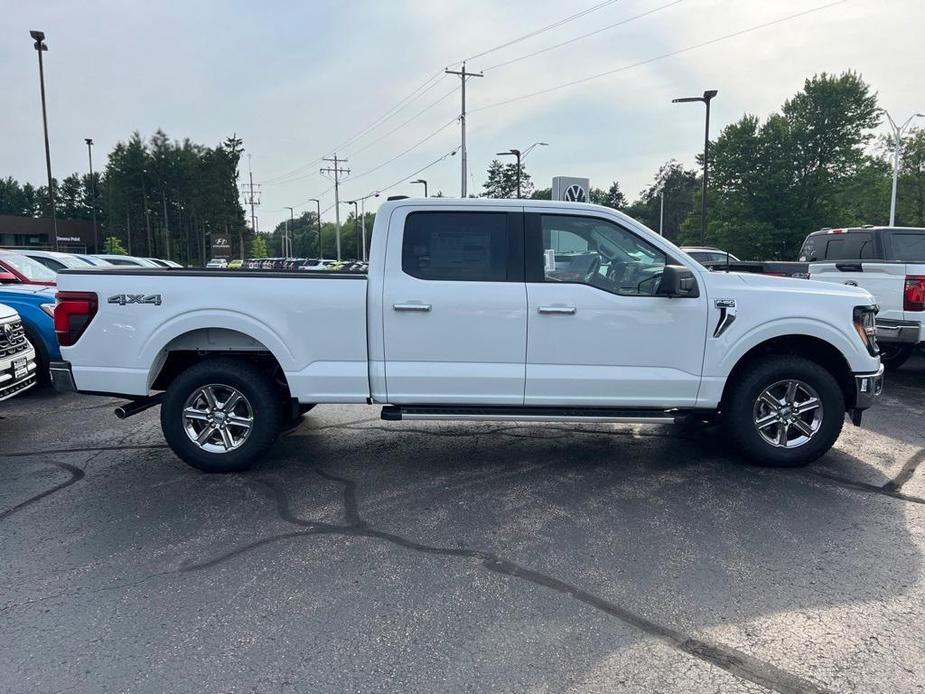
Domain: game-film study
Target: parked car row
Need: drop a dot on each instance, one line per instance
(294, 264)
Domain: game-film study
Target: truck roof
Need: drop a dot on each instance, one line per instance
(494, 202)
(868, 228)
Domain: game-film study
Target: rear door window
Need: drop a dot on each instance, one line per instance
(849, 246)
(456, 246)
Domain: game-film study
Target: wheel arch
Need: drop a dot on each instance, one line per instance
(816, 349)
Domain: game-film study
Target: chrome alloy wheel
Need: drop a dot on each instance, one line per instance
(788, 413)
(217, 418)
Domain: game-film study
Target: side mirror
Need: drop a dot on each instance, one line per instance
(8, 277)
(677, 281)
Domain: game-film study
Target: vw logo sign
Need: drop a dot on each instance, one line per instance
(575, 193)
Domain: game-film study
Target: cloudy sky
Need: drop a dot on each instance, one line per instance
(296, 80)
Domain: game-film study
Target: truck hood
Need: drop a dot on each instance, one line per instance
(808, 287)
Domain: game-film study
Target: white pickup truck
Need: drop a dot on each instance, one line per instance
(476, 309)
(17, 355)
(889, 262)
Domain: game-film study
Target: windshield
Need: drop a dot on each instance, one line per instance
(28, 267)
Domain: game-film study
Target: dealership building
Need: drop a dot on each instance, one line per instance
(74, 235)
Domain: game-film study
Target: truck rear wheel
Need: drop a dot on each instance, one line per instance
(784, 411)
(221, 415)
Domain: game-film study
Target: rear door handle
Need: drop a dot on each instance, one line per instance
(565, 310)
(421, 308)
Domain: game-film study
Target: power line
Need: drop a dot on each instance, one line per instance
(583, 36)
(410, 149)
(660, 57)
(558, 23)
(423, 168)
(415, 94)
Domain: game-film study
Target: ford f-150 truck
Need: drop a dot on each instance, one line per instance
(889, 262)
(476, 309)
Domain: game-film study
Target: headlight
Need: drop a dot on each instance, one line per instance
(865, 323)
(49, 309)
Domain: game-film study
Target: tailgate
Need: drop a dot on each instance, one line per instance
(885, 280)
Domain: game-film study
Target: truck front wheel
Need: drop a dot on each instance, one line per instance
(784, 411)
(221, 415)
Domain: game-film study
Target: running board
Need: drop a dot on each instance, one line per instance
(397, 413)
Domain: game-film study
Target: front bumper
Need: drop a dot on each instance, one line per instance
(61, 377)
(18, 372)
(867, 389)
(889, 330)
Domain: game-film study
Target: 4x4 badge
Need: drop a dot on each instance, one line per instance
(123, 299)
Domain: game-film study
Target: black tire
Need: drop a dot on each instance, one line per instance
(741, 409)
(260, 398)
(43, 377)
(895, 354)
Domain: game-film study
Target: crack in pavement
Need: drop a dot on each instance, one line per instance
(896, 484)
(76, 475)
(85, 449)
(729, 659)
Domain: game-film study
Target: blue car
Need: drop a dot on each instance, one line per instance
(35, 305)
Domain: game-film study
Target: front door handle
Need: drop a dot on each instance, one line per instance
(422, 308)
(565, 310)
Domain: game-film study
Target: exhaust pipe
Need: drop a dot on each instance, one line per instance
(139, 405)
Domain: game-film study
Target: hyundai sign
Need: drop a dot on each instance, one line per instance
(221, 246)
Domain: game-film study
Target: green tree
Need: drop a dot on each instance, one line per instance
(679, 186)
(258, 246)
(113, 246)
(502, 181)
(771, 183)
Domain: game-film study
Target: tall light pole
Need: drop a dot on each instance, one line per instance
(898, 132)
(421, 180)
(287, 241)
(96, 233)
(41, 47)
(356, 221)
(514, 153)
(706, 99)
(320, 245)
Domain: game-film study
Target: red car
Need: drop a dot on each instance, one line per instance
(18, 269)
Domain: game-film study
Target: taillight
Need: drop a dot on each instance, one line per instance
(914, 294)
(73, 314)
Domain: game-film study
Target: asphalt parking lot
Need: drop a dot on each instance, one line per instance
(371, 556)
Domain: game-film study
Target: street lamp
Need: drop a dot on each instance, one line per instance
(898, 132)
(41, 47)
(374, 194)
(96, 235)
(705, 99)
(514, 153)
(320, 247)
(287, 243)
(356, 220)
(421, 180)
(532, 147)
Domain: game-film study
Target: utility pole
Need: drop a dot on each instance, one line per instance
(40, 47)
(166, 227)
(898, 132)
(363, 200)
(287, 240)
(96, 233)
(661, 212)
(462, 121)
(334, 172)
(144, 199)
(251, 198)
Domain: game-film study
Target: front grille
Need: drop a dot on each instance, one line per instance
(12, 339)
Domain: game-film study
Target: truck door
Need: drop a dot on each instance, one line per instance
(454, 306)
(598, 336)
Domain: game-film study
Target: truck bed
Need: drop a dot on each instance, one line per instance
(313, 323)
